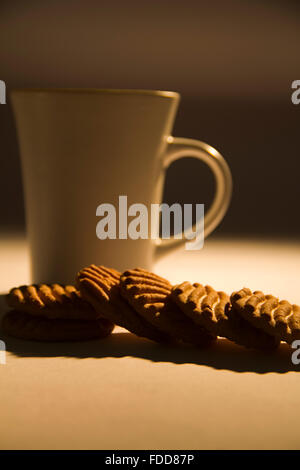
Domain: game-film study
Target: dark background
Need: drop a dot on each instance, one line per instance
(232, 61)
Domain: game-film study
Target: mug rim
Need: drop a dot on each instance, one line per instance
(113, 91)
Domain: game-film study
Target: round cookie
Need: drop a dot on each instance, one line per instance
(277, 318)
(25, 326)
(51, 301)
(150, 296)
(100, 286)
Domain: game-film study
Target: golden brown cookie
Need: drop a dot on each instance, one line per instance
(25, 326)
(213, 311)
(150, 296)
(277, 318)
(101, 287)
(51, 301)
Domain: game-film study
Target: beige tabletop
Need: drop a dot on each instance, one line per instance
(127, 393)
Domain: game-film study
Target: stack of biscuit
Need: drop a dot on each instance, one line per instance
(149, 306)
(52, 313)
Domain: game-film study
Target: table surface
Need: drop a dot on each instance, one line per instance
(128, 393)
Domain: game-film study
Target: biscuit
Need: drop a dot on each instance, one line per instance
(213, 311)
(277, 318)
(25, 326)
(101, 287)
(150, 296)
(51, 301)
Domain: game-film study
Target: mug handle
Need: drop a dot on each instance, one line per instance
(178, 147)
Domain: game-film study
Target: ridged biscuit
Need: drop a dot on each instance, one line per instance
(278, 318)
(51, 301)
(101, 287)
(150, 296)
(213, 311)
(25, 326)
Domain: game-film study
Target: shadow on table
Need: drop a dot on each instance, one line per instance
(222, 355)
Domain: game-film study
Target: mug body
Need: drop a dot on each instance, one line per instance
(80, 149)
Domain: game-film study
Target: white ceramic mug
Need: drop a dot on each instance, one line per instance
(83, 147)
